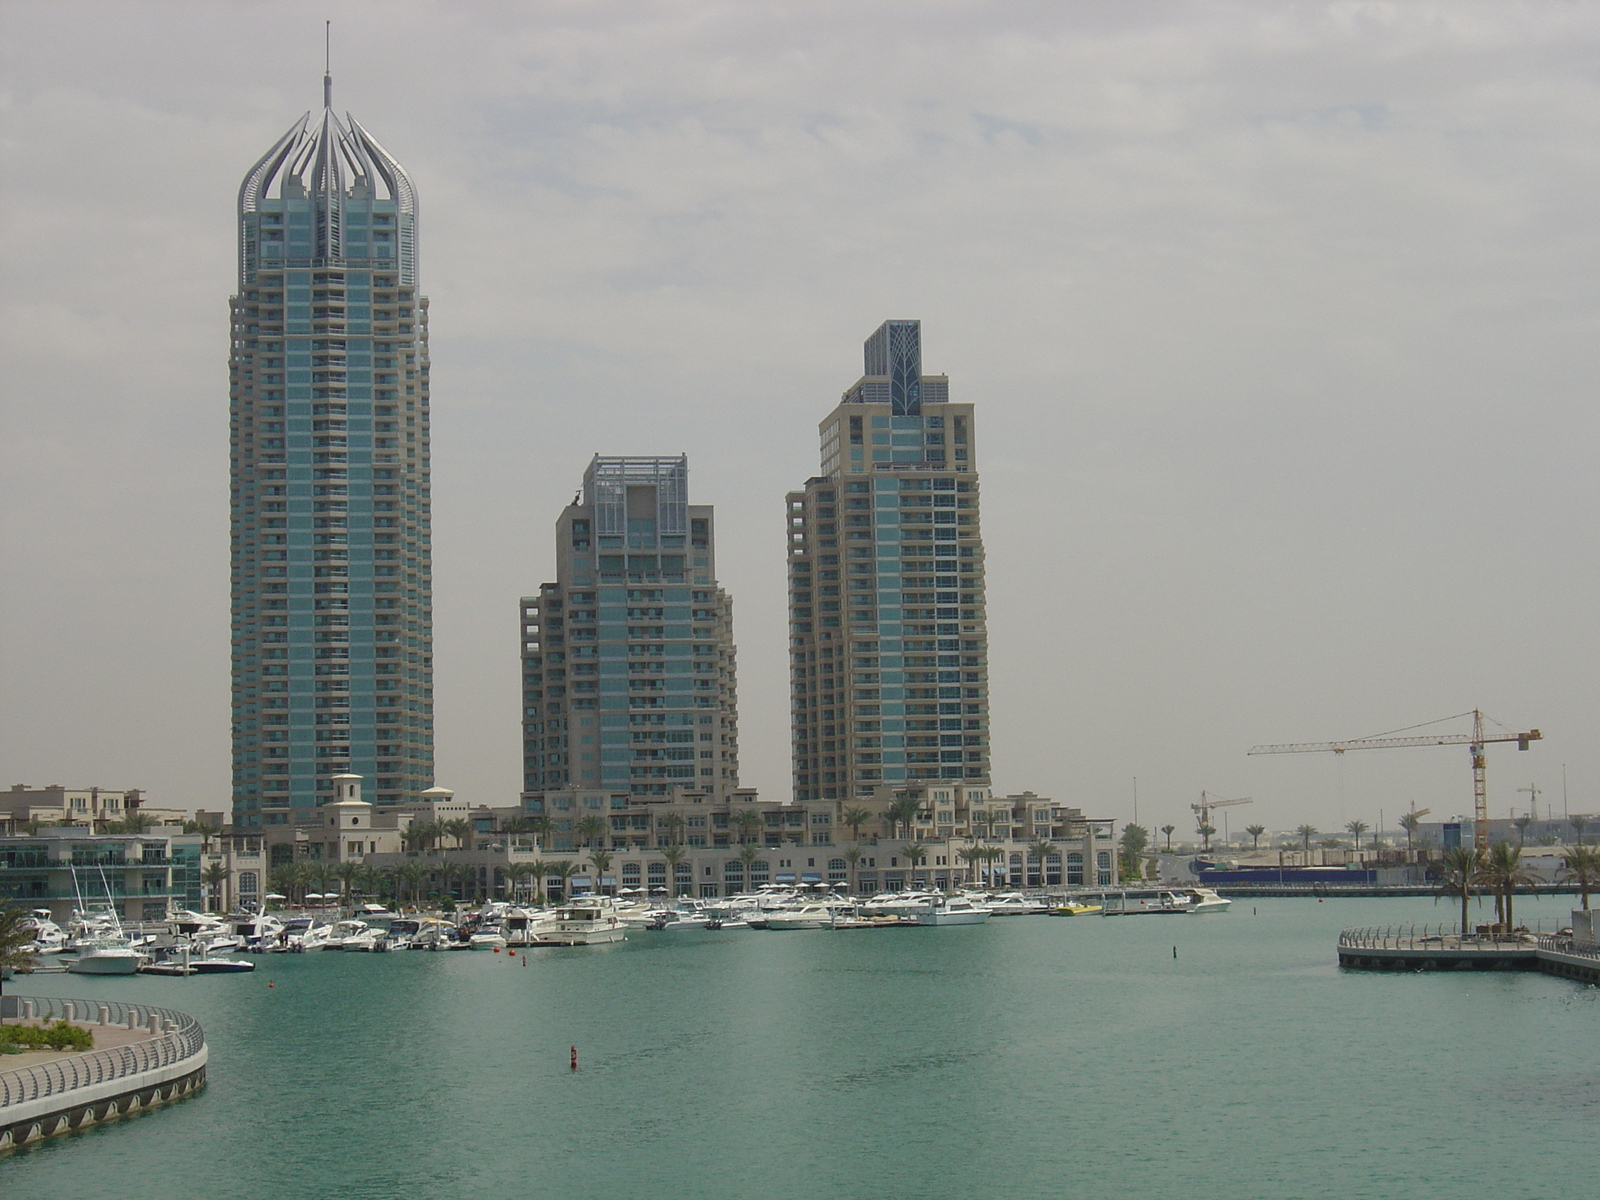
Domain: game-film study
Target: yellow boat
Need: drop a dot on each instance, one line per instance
(1070, 909)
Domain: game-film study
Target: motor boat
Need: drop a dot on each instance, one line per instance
(807, 916)
(341, 932)
(1161, 901)
(255, 931)
(303, 935)
(488, 937)
(1207, 901)
(48, 937)
(951, 910)
(586, 921)
(1015, 904)
(1073, 908)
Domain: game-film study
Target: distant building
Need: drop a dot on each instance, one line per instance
(64, 868)
(888, 636)
(92, 806)
(628, 673)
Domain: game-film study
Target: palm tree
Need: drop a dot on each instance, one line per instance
(1356, 829)
(674, 854)
(903, 811)
(855, 818)
(749, 823)
(852, 856)
(410, 875)
(459, 828)
(1522, 824)
(543, 827)
(206, 830)
(1581, 865)
(15, 940)
(537, 870)
(563, 870)
(591, 828)
(1205, 831)
(1505, 873)
(215, 878)
(348, 873)
(749, 852)
(1255, 832)
(515, 873)
(1579, 824)
(915, 852)
(600, 860)
(1410, 823)
(1463, 868)
(672, 829)
(969, 855)
(1305, 833)
(1039, 848)
(1169, 830)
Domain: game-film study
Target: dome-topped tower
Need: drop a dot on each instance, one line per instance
(345, 177)
(332, 583)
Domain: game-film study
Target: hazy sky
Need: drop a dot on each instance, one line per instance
(1279, 318)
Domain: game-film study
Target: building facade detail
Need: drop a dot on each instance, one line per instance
(329, 469)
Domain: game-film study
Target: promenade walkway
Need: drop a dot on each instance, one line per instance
(143, 1056)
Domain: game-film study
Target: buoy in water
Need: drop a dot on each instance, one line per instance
(574, 1058)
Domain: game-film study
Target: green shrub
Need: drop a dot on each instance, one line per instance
(62, 1035)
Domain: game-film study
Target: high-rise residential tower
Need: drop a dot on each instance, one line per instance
(888, 645)
(628, 660)
(328, 373)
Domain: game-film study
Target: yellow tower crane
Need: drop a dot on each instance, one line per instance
(1477, 740)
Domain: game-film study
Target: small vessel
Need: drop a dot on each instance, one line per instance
(342, 931)
(48, 937)
(1073, 908)
(1015, 904)
(952, 910)
(488, 937)
(807, 916)
(102, 947)
(1165, 901)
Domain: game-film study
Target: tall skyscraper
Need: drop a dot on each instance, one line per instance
(628, 659)
(888, 644)
(328, 373)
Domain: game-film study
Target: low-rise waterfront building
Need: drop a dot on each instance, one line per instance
(63, 867)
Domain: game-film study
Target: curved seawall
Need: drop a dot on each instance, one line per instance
(73, 1091)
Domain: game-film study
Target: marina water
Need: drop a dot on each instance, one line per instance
(1030, 1057)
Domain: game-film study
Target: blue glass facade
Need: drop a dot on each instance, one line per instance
(331, 583)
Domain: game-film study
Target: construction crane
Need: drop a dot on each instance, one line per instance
(1204, 810)
(1477, 740)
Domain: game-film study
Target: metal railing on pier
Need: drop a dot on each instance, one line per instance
(1435, 936)
(178, 1036)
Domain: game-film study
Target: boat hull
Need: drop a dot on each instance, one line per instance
(105, 964)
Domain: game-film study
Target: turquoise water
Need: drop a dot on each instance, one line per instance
(1032, 1057)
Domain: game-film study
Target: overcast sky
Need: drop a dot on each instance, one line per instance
(1279, 320)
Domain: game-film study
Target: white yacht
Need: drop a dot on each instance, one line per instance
(48, 937)
(302, 935)
(807, 916)
(488, 937)
(1015, 904)
(342, 931)
(951, 910)
(1166, 901)
(586, 921)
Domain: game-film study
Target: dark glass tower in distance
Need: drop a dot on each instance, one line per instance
(332, 624)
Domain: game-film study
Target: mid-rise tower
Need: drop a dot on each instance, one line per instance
(628, 658)
(888, 644)
(332, 583)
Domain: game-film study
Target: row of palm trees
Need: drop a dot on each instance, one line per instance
(1499, 870)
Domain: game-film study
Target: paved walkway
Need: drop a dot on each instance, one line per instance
(105, 1036)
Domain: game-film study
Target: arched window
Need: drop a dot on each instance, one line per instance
(249, 883)
(1074, 869)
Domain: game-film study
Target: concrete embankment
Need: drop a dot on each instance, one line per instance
(143, 1057)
